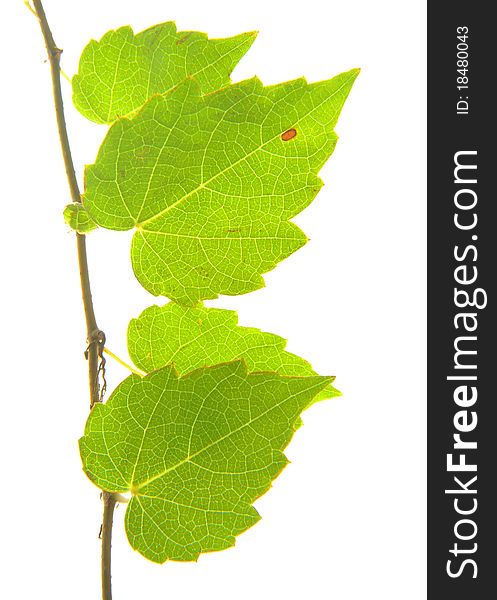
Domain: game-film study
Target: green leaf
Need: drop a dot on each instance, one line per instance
(195, 452)
(210, 182)
(191, 338)
(123, 70)
(77, 217)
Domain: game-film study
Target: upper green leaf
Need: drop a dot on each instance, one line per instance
(195, 452)
(210, 182)
(191, 338)
(120, 72)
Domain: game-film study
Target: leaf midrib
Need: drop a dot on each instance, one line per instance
(136, 487)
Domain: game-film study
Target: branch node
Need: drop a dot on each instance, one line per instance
(97, 339)
(97, 336)
(55, 53)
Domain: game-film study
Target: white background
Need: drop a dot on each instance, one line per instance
(346, 520)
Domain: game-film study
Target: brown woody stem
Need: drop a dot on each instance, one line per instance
(95, 337)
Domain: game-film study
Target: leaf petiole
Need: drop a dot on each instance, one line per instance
(27, 4)
(124, 364)
(65, 76)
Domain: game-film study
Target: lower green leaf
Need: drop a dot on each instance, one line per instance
(191, 338)
(195, 452)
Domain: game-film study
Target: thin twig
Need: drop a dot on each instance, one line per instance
(109, 501)
(96, 337)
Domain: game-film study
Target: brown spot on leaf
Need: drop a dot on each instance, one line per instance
(288, 135)
(184, 38)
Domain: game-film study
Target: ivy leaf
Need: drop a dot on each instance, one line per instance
(195, 452)
(77, 217)
(210, 182)
(191, 338)
(123, 70)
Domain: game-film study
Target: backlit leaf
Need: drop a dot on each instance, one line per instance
(210, 182)
(120, 72)
(191, 338)
(195, 452)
